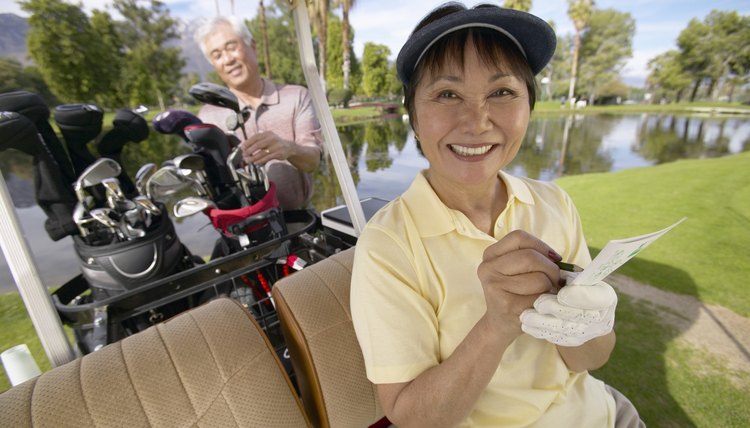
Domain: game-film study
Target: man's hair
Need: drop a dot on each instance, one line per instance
(237, 24)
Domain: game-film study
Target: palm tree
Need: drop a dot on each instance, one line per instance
(579, 12)
(319, 13)
(264, 35)
(346, 6)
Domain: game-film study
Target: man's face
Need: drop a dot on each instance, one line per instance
(234, 61)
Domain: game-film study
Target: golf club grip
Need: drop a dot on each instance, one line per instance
(79, 154)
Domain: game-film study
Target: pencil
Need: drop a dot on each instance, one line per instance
(569, 267)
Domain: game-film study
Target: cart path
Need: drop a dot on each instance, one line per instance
(712, 328)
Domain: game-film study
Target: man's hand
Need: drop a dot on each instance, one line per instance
(265, 146)
(577, 314)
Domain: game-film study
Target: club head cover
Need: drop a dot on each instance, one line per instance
(132, 123)
(80, 122)
(174, 122)
(18, 132)
(34, 108)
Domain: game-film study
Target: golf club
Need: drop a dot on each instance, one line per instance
(191, 205)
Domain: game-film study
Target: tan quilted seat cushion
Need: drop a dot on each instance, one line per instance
(313, 306)
(209, 367)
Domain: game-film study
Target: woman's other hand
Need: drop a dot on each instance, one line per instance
(514, 272)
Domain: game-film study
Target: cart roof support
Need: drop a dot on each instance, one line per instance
(332, 141)
(34, 294)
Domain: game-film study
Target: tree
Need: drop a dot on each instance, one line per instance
(579, 12)
(605, 47)
(112, 54)
(153, 70)
(346, 38)
(66, 50)
(729, 48)
(335, 59)
(667, 75)
(375, 69)
(694, 52)
(282, 44)
(715, 51)
(319, 10)
(15, 77)
(264, 38)
(523, 5)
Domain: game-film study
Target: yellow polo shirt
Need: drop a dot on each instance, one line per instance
(415, 295)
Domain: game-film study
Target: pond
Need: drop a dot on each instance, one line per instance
(383, 160)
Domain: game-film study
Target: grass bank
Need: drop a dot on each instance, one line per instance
(672, 383)
(706, 255)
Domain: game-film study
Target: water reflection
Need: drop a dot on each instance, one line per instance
(383, 157)
(383, 161)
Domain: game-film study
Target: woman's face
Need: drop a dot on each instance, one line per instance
(470, 122)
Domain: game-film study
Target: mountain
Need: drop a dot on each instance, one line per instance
(13, 29)
(195, 61)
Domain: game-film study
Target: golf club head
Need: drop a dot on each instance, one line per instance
(79, 124)
(190, 161)
(101, 169)
(174, 122)
(191, 205)
(215, 95)
(238, 120)
(165, 182)
(18, 132)
(148, 205)
(142, 176)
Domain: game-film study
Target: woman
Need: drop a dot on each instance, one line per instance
(454, 282)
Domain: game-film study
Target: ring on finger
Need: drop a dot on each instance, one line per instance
(267, 151)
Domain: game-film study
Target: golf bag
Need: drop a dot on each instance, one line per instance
(53, 172)
(109, 272)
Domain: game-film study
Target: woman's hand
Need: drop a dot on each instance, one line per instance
(577, 314)
(514, 272)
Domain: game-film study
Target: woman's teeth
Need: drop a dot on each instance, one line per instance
(470, 151)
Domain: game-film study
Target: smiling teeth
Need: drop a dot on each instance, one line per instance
(470, 151)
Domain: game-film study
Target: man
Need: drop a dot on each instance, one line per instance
(283, 132)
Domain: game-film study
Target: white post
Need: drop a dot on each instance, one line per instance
(35, 296)
(331, 136)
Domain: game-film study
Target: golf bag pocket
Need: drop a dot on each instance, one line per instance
(253, 224)
(114, 268)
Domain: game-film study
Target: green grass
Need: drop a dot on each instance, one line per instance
(670, 383)
(706, 256)
(17, 329)
(684, 107)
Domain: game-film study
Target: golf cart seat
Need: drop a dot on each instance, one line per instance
(313, 308)
(211, 366)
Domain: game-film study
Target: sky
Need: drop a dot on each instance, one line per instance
(389, 22)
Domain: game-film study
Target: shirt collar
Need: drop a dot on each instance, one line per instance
(422, 201)
(270, 95)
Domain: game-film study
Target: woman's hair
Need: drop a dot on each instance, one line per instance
(493, 48)
(237, 24)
